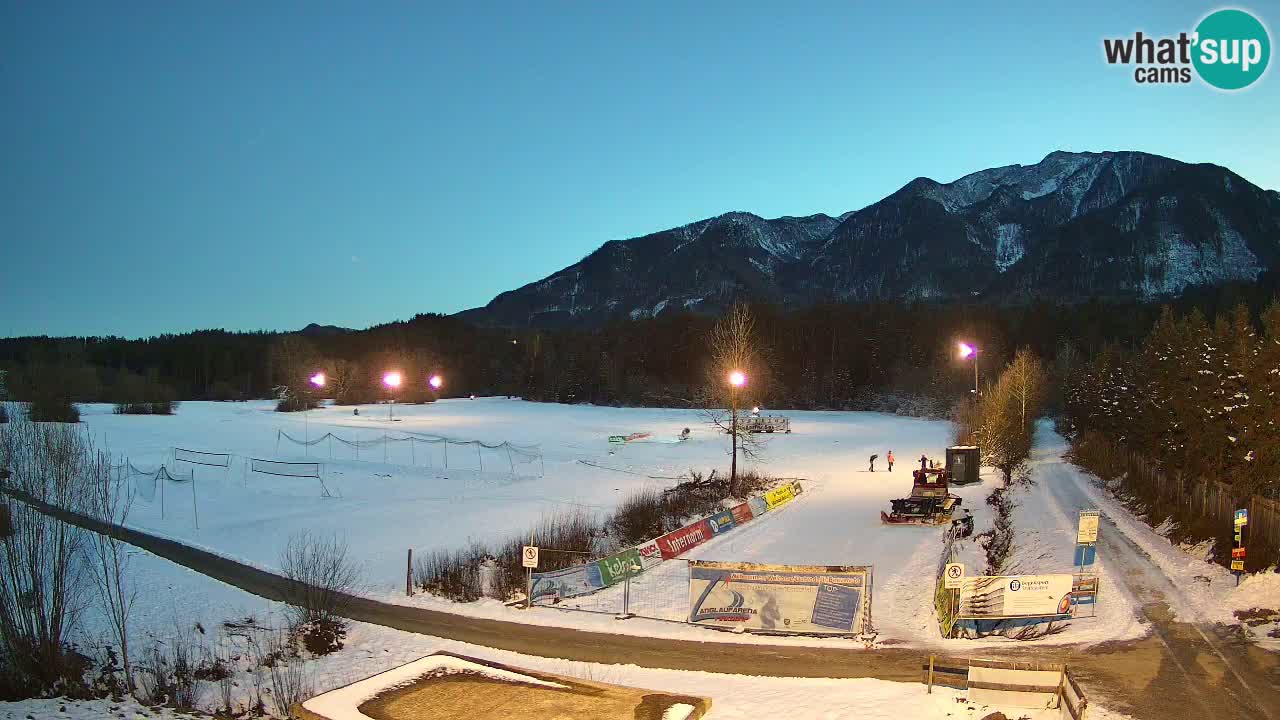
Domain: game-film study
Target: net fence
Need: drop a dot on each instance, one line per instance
(146, 480)
(425, 450)
(200, 457)
(281, 468)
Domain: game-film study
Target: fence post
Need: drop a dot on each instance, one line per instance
(195, 512)
(408, 575)
(930, 675)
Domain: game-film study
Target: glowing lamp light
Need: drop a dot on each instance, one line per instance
(737, 378)
(436, 381)
(392, 379)
(317, 379)
(967, 351)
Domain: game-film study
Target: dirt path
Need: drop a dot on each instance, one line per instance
(1141, 678)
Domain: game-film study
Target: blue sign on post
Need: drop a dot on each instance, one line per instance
(1242, 518)
(1085, 555)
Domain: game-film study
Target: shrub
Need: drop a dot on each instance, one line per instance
(454, 574)
(53, 406)
(321, 579)
(164, 407)
(643, 515)
(43, 563)
(290, 674)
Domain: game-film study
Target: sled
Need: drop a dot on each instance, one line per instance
(628, 438)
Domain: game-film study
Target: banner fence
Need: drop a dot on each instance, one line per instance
(650, 579)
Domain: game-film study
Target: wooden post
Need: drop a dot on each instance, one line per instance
(930, 674)
(408, 575)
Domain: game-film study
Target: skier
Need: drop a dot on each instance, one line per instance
(890, 459)
(684, 434)
(924, 462)
(873, 463)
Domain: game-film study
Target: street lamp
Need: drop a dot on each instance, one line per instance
(737, 379)
(392, 380)
(317, 381)
(968, 351)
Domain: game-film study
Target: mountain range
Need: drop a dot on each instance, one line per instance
(1113, 226)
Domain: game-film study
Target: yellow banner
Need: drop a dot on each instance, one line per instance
(781, 495)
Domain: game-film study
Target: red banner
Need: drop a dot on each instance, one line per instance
(1237, 552)
(676, 542)
(741, 513)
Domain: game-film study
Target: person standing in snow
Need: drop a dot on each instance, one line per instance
(873, 463)
(890, 459)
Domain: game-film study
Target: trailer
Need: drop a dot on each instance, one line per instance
(764, 424)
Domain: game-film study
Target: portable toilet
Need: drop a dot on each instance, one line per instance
(963, 464)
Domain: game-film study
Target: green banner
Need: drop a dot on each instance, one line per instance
(614, 568)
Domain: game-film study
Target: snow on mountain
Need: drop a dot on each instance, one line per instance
(1072, 227)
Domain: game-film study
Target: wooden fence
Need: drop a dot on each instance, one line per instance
(1010, 684)
(1202, 508)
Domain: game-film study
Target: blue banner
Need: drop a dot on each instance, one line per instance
(721, 522)
(566, 583)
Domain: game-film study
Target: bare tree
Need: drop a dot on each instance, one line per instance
(295, 360)
(734, 350)
(41, 588)
(1005, 414)
(320, 580)
(110, 499)
(1026, 384)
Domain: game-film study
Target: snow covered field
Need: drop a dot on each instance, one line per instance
(383, 507)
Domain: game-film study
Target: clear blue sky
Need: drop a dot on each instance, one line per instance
(176, 165)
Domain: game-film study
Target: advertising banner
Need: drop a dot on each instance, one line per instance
(1087, 531)
(758, 505)
(780, 495)
(819, 599)
(721, 522)
(1014, 596)
(614, 568)
(569, 582)
(650, 554)
(741, 514)
(679, 541)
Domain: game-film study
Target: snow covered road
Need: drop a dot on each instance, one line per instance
(1229, 677)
